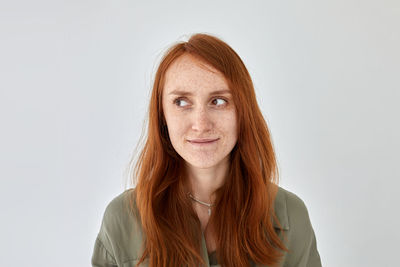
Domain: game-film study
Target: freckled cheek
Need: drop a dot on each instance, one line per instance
(176, 128)
(230, 124)
(229, 118)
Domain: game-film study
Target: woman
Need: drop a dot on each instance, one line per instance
(206, 192)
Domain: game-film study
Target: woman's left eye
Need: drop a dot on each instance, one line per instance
(219, 101)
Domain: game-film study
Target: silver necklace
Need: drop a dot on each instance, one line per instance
(203, 203)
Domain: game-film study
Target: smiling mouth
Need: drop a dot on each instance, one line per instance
(203, 141)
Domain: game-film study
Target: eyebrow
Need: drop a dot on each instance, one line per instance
(185, 93)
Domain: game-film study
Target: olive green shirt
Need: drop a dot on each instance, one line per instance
(118, 242)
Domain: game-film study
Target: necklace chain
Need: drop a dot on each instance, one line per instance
(201, 202)
(209, 205)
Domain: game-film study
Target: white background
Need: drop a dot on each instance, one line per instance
(75, 82)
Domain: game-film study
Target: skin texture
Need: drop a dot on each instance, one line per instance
(200, 115)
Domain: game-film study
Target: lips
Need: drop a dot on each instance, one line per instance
(203, 140)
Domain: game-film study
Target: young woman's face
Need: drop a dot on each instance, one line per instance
(199, 112)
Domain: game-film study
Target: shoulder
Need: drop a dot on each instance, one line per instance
(121, 213)
(119, 206)
(290, 209)
(300, 240)
(120, 232)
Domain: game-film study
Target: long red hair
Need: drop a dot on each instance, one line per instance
(243, 218)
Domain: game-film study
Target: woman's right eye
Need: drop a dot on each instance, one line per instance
(178, 100)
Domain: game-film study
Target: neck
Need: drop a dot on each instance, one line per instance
(204, 182)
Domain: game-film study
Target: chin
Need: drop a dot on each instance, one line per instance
(200, 165)
(205, 163)
(203, 166)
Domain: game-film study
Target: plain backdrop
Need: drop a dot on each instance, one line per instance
(75, 79)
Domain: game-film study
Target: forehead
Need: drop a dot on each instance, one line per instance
(191, 74)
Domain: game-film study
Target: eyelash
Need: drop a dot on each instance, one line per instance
(183, 98)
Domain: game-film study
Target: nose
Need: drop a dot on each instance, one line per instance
(201, 121)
